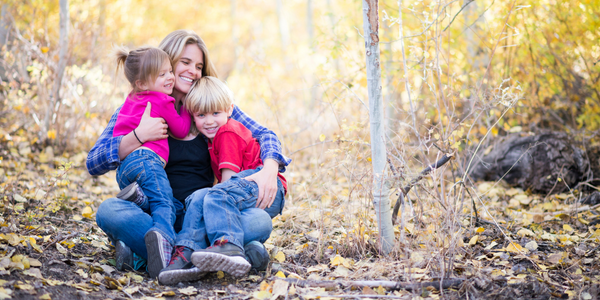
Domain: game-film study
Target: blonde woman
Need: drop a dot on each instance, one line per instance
(188, 169)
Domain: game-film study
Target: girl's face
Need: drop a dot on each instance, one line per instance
(187, 70)
(164, 81)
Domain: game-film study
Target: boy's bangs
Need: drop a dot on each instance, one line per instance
(208, 95)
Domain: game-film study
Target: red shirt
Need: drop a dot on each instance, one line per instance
(234, 148)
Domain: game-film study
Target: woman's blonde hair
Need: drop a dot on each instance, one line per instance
(141, 64)
(175, 42)
(207, 95)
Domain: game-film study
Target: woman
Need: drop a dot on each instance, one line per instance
(123, 221)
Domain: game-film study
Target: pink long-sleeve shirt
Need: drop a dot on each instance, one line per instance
(163, 106)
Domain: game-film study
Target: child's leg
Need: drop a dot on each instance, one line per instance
(145, 167)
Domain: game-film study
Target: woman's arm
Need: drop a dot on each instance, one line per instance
(270, 152)
(107, 153)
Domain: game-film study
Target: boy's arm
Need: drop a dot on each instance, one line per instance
(226, 174)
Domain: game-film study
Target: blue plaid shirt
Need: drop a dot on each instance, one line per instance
(104, 156)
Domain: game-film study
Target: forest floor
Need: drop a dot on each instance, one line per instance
(519, 246)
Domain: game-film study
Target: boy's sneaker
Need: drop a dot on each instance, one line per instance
(132, 193)
(180, 268)
(123, 257)
(257, 255)
(222, 256)
(159, 252)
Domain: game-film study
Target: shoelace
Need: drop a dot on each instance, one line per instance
(178, 253)
(220, 243)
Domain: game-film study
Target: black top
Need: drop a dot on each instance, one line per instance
(189, 167)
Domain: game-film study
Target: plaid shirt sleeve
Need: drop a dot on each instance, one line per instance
(104, 156)
(270, 146)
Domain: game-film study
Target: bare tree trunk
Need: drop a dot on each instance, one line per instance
(474, 35)
(4, 24)
(62, 63)
(381, 201)
(389, 87)
(284, 31)
(4, 36)
(312, 78)
(336, 61)
(309, 23)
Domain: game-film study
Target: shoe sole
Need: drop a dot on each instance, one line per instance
(212, 262)
(153, 248)
(173, 277)
(127, 192)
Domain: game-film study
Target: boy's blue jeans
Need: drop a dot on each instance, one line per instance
(146, 167)
(256, 223)
(225, 201)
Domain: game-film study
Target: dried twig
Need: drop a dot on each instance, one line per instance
(404, 191)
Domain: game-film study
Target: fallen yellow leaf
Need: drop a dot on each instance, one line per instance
(280, 274)
(280, 257)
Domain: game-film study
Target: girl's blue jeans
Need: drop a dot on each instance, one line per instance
(146, 168)
(223, 204)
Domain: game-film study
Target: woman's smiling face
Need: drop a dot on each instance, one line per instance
(187, 70)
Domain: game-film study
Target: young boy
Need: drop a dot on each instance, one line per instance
(234, 156)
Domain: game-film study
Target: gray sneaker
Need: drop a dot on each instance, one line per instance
(159, 252)
(180, 268)
(133, 193)
(222, 256)
(257, 255)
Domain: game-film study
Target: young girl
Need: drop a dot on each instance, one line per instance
(150, 73)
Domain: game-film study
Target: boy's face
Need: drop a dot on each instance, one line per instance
(209, 123)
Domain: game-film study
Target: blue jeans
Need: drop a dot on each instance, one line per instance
(225, 201)
(122, 220)
(146, 168)
(256, 223)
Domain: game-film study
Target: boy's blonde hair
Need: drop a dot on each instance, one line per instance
(208, 95)
(141, 64)
(175, 42)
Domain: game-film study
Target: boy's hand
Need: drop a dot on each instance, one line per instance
(266, 179)
(151, 129)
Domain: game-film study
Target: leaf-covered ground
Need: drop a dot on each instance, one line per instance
(517, 245)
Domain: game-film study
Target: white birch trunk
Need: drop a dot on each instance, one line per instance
(381, 199)
(62, 63)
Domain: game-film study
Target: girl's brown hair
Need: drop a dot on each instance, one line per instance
(175, 42)
(141, 64)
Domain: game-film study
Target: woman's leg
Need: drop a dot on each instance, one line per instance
(124, 221)
(257, 225)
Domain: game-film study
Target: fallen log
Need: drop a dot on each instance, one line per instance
(390, 285)
(545, 163)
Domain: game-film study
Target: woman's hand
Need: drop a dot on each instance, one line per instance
(266, 179)
(149, 129)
